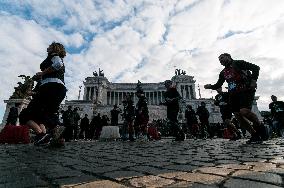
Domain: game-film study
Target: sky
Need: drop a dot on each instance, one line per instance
(143, 40)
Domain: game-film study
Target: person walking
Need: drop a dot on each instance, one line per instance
(84, 127)
(114, 115)
(172, 98)
(277, 115)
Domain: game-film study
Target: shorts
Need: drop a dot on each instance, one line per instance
(226, 112)
(241, 99)
(43, 108)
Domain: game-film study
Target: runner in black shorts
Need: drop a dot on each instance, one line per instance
(241, 77)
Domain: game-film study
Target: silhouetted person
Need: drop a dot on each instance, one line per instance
(129, 116)
(97, 123)
(141, 115)
(84, 127)
(241, 77)
(203, 115)
(13, 115)
(114, 115)
(191, 120)
(67, 123)
(172, 98)
(74, 122)
(277, 113)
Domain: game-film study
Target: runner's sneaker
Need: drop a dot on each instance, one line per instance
(42, 139)
(56, 139)
(57, 132)
(56, 143)
(255, 139)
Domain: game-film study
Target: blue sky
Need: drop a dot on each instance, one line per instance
(143, 40)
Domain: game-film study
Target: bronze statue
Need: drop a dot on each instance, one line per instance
(95, 73)
(23, 90)
(101, 73)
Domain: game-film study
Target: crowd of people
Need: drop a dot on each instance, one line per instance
(43, 117)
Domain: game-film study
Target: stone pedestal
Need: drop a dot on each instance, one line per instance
(10, 103)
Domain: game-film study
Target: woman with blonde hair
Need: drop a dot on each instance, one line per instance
(42, 111)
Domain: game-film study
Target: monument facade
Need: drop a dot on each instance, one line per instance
(100, 95)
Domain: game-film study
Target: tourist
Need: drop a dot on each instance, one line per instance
(203, 115)
(42, 111)
(84, 127)
(97, 125)
(67, 123)
(142, 114)
(114, 115)
(13, 115)
(172, 98)
(277, 114)
(191, 121)
(128, 116)
(241, 77)
(75, 119)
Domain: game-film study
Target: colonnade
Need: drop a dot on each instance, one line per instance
(116, 97)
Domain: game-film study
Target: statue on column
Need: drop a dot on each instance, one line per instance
(101, 73)
(23, 90)
(95, 74)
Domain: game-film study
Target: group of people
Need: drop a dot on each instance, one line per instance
(82, 128)
(42, 116)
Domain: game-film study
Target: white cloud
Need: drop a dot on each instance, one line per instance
(144, 40)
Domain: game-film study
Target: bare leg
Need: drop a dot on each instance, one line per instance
(35, 127)
(250, 116)
(42, 127)
(244, 123)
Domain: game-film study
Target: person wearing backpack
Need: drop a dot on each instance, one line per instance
(241, 77)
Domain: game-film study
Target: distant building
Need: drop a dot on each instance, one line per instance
(100, 95)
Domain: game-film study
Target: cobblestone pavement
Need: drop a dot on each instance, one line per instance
(192, 163)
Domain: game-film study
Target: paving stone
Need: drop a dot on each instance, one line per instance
(150, 181)
(258, 166)
(263, 177)
(200, 178)
(180, 184)
(235, 166)
(214, 170)
(199, 163)
(25, 183)
(277, 161)
(119, 175)
(74, 180)
(242, 172)
(238, 183)
(171, 175)
(96, 184)
(186, 168)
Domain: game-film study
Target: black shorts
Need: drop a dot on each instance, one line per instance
(45, 104)
(226, 112)
(242, 99)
